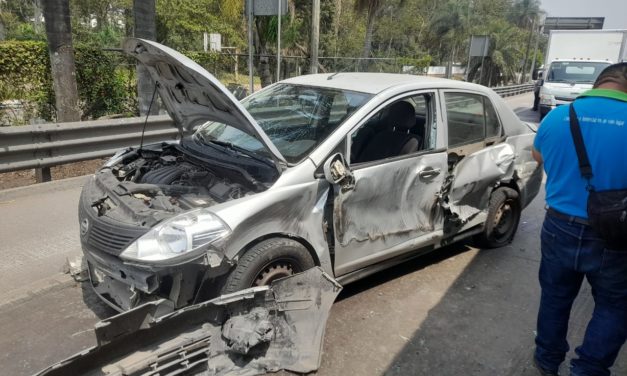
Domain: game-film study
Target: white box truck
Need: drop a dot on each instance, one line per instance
(574, 59)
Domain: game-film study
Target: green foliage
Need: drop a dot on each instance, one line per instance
(24, 69)
(181, 23)
(101, 84)
(105, 86)
(406, 32)
(213, 62)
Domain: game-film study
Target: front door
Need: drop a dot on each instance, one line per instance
(397, 178)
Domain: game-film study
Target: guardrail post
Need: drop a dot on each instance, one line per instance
(43, 174)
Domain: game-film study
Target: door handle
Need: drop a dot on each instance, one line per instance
(429, 172)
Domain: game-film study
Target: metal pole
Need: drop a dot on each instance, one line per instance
(315, 35)
(250, 46)
(468, 65)
(535, 51)
(485, 52)
(278, 42)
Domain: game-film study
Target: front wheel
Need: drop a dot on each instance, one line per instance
(267, 261)
(503, 218)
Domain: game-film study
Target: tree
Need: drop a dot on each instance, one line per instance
(500, 66)
(450, 26)
(370, 8)
(59, 33)
(144, 13)
(525, 14)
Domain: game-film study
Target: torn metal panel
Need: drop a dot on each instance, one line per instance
(290, 208)
(528, 172)
(469, 192)
(251, 332)
(390, 204)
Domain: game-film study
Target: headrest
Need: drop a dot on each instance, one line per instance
(401, 116)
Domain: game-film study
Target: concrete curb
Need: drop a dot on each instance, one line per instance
(52, 186)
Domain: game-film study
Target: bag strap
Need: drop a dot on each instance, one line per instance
(582, 155)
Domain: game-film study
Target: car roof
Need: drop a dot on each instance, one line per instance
(374, 83)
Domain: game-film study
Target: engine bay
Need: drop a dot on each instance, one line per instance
(170, 180)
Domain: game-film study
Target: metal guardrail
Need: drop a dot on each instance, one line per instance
(506, 91)
(46, 145)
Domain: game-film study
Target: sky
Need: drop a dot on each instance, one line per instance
(614, 11)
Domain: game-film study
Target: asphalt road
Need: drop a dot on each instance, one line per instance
(457, 311)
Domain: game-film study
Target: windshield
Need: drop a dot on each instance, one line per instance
(575, 71)
(295, 118)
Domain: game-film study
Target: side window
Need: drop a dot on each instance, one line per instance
(400, 128)
(493, 125)
(466, 118)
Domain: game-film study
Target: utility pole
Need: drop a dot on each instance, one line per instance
(523, 71)
(535, 50)
(250, 46)
(315, 35)
(278, 41)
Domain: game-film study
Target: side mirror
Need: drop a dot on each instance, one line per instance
(336, 171)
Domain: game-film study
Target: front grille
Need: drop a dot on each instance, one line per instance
(109, 241)
(187, 359)
(104, 234)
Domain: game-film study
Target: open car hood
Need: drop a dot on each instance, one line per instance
(191, 95)
(250, 332)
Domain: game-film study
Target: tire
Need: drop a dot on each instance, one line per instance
(267, 261)
(503, 218)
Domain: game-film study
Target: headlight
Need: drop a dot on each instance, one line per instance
(547, 99)
(186, 235)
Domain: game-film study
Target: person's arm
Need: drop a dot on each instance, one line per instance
(536, 155)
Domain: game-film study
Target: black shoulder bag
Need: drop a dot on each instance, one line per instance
(607, 210)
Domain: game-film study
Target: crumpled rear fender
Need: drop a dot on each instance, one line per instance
(251, 332)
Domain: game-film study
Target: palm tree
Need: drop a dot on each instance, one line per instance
(525, 14)
(503, 56)
(370, 8)
(450, 27)
(59, 33)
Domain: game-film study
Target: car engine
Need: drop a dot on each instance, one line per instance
(171, 181)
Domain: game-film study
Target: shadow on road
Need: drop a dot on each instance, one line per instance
(401, 270)
(94, 303)
(485, 323)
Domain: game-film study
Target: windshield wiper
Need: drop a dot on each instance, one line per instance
(246, 152)
(234, 149)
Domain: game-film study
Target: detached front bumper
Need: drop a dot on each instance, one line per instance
(252, 332)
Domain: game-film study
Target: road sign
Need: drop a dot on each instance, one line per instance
(267, 7)
(479, 45)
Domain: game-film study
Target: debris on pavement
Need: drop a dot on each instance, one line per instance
(76, 267)
(250, 332)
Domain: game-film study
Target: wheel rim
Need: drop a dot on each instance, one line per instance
(274, 270)
(504, 220)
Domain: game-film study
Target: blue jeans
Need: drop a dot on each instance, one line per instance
(571, 251)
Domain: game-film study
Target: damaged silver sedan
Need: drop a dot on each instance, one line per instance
(350, 172)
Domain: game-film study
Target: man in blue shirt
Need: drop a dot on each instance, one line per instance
(571, 249)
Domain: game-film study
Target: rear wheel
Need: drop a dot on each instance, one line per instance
(267, 261)
(503, 218)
